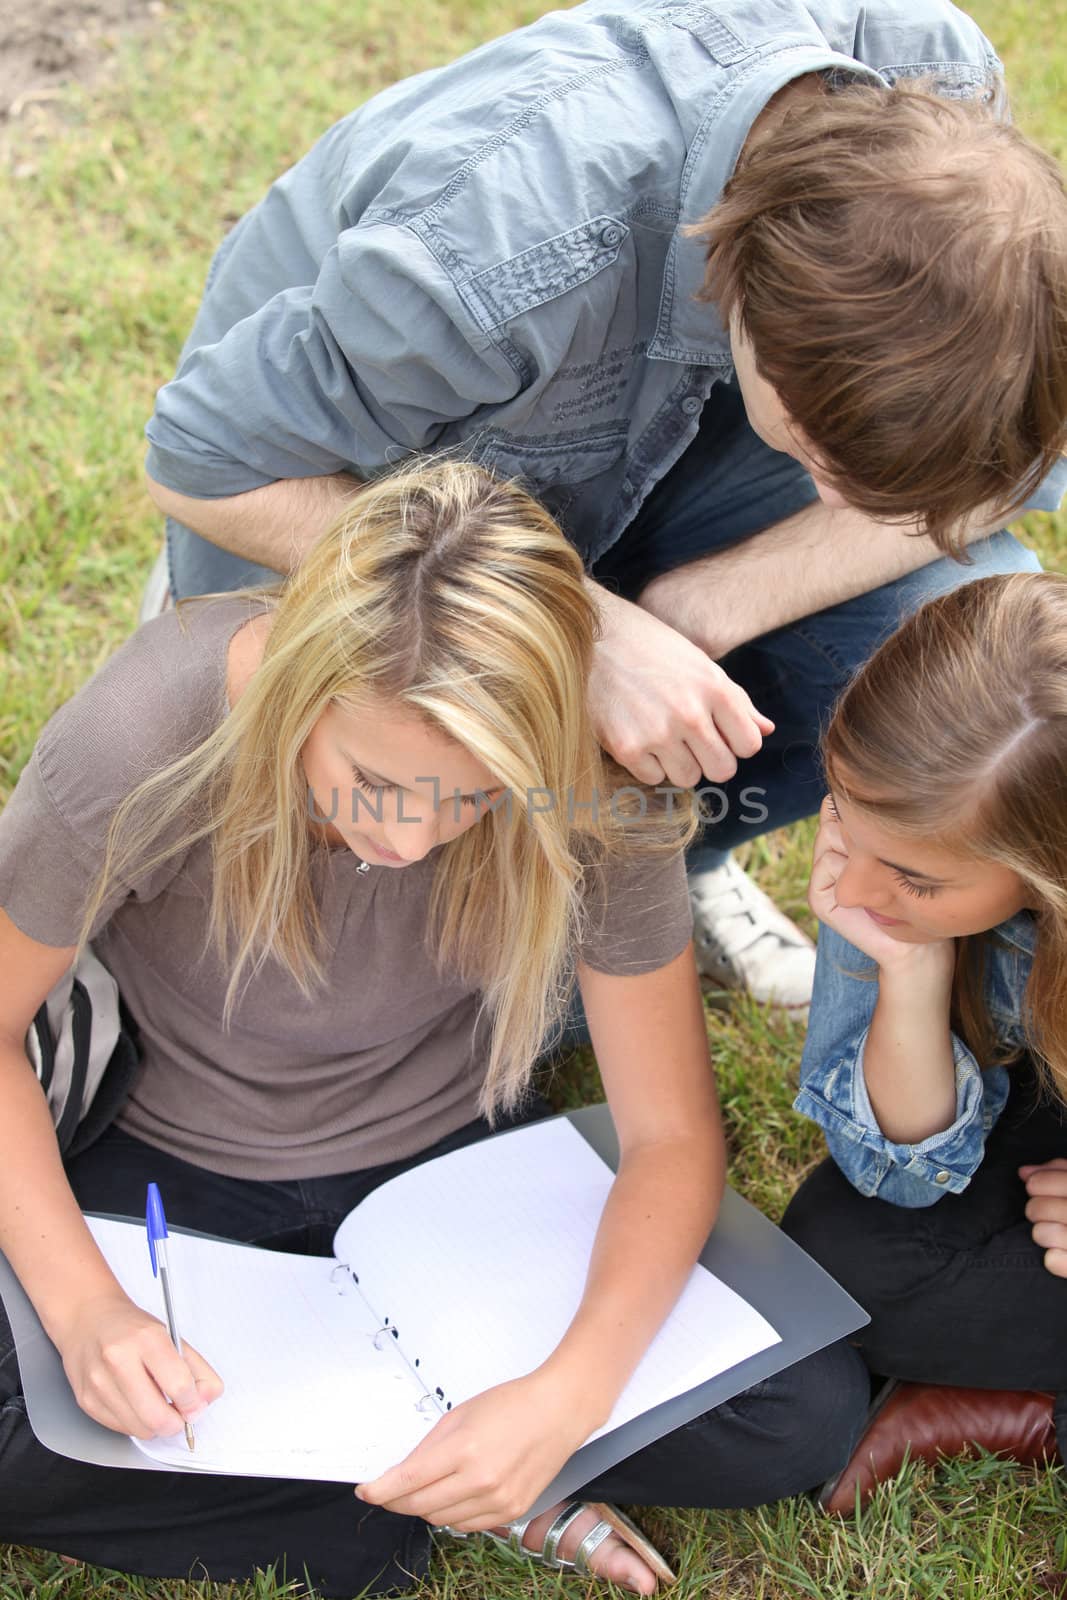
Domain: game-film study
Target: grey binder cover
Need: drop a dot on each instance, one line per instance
(802, 1302)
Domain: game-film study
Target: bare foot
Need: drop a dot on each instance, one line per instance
(614, 1559)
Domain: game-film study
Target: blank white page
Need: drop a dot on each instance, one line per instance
(480, 1258)
(307, 1393)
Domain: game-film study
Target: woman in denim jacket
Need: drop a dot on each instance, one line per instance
(936, 1058)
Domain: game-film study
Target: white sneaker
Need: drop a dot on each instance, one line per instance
(744, 942)
(156, 596)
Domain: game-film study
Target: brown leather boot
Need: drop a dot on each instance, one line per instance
(925, 1421)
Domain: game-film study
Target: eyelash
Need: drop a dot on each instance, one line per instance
(921, 891)
(375, 789)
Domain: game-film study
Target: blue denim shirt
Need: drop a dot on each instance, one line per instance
(490, 256)
(833, 1091)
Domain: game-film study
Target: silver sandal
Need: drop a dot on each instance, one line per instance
(609, 1520)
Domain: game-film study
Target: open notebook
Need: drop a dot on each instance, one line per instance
(477, 1259)
(457, 1275)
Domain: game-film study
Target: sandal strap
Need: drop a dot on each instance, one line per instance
(516, 1530)
(591, 1544)
(631, 1534)
(557, 1528)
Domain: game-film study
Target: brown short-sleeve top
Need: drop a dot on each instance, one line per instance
(379, 1064)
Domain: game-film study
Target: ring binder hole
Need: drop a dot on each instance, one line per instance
(416, 1360)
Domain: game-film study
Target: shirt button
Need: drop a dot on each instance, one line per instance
(941, 1177)
(611, 236)
(692, 404)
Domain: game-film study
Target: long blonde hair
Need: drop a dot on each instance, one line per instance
(456, 596)
(956, 731)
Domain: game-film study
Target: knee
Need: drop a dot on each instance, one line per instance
(801, 1425)
(830, 1220)
(10, 1380)
(822, 1404)
(877, 1252)
(1000, 552)
(872, 1248)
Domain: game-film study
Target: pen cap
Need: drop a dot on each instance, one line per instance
(155, 1222)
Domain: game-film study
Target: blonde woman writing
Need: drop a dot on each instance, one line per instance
(280, 817)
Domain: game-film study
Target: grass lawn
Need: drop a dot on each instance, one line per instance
(112, 203)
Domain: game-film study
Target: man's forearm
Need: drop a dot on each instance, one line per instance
(273, 526)
(813, 560)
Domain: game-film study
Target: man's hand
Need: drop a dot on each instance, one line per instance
(661, 706)
(1046, 1208)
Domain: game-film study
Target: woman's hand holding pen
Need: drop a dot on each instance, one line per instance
(122, 1367)
(486, 1462)
(1046, 1208)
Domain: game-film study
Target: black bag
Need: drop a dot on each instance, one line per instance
(83, 1046)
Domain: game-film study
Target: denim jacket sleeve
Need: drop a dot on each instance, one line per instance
(833, 1092)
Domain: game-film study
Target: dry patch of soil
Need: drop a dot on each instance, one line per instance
(46, 45)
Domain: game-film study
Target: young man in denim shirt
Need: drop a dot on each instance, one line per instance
(498, 257)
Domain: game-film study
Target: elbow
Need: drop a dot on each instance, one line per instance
(162, 498)
(191, 513)
(913, 1195)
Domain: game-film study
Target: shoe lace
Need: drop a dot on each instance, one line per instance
(739, 926)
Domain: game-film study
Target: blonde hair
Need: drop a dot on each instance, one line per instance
(456, 596)
(956, 731)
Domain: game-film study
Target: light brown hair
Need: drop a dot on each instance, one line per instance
(955, 732)
(898, 261)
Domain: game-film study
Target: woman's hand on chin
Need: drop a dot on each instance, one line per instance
(829, 860)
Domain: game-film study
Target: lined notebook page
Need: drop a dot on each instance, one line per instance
(307, 1394)
(480, 1259)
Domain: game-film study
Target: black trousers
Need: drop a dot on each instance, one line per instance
(958, 1292)
(783, 1436)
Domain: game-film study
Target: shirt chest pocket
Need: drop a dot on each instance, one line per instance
(548, 462)
(545, 271)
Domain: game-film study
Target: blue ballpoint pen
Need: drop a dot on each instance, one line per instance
(156, 1224)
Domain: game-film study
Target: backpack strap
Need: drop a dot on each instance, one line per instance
(81, 1016)
(44, 1055)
